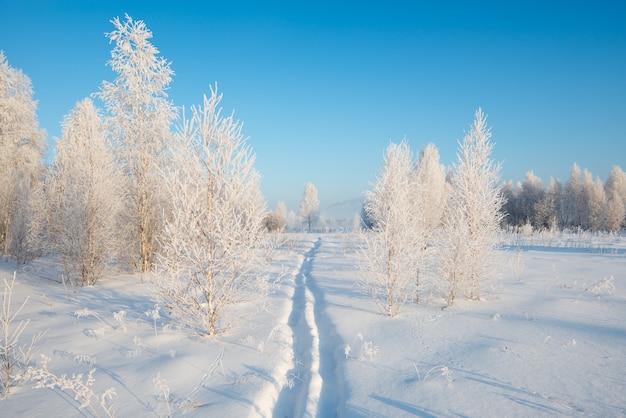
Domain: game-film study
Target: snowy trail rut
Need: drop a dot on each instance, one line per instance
(315, 384)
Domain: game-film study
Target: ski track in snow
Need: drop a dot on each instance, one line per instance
(315, 384)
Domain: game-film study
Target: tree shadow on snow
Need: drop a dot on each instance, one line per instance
(406, 407)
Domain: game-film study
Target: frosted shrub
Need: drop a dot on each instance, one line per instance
(161, 386)
(526, 230)
(439, 371)
(80, 386)
(120, 317)
(13, 354)
(367, 351)
(154, 315)
(98, 332)
(603, 287)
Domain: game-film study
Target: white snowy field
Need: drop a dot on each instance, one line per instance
(548, 338)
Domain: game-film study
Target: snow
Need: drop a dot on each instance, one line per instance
(547, 339)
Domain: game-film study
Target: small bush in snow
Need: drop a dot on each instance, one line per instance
(12, 354)
(603, 287)
(78, 385)
(161, 386)
(439, 371)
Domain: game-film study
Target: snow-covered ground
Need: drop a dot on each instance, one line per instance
(548, 339)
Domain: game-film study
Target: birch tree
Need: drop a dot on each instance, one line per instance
(511, 193)
(390, 260)
(615, 190)
(593, 202)
(431, 191)
(548, 207)
(140, 116)
(21, 150)
(210, 256)
(532, 193)
(309, 206)
(85, 191)
(572, 199)
(429, 194)
(471, 222)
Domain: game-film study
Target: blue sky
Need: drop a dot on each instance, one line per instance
(323, 87)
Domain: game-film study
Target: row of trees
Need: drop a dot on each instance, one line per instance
(135, 184)
(582, 202)
(308, 215)
(413, 210)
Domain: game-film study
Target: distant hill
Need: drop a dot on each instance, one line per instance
(342, 214)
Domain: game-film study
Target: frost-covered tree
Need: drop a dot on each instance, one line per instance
(572, 199)
(594, 202)
(140, 116)
(472, 217)
(21, 150)
(615, 191)
(276, 221)
(547, 208)
(281, 213)
(431, 189)
(394, 245)
(84, 195)
(532, 193)
(309, 206)
(210, 254)
(511, 210)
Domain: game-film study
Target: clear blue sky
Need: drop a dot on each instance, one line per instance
(323, 86)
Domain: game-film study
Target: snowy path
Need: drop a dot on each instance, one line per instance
(315, 385)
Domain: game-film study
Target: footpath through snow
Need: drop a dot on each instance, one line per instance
(314, 384)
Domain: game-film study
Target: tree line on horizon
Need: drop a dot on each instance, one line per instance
(582, 202)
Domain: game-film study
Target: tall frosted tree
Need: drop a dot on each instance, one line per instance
(594, 202)
(572, 199)
(467, 246)
(211, 255)
(140, 116)
(431, 190)
(548, 207)
(615, 190)
(309, 205)
(511, 193)
(21, 150)
(394, 244)
(532, 193)
(84, 195)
